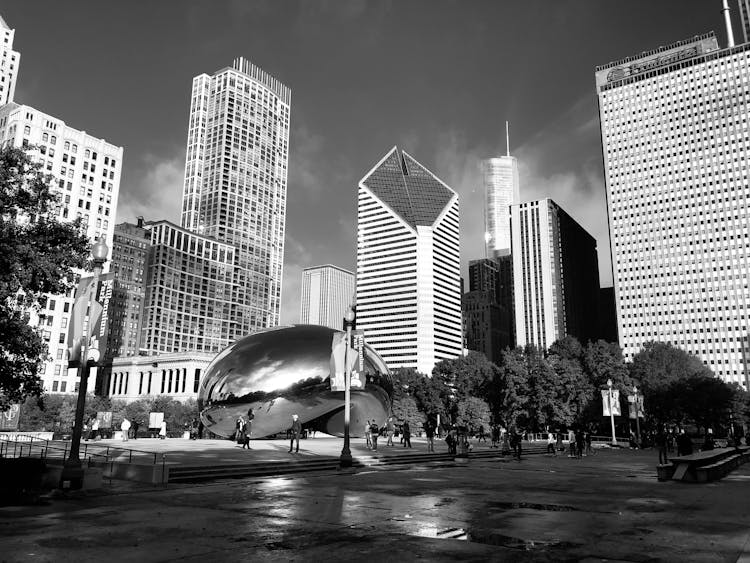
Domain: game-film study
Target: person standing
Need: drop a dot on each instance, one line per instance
(580, 443)
(163, 430)
(125, 427)
(249, 423)
(296, 431)
(374, 432)
(661, 445)
(551, 443)
(429, 430)
(390, 429)
(495, 434)
(136, 425)
(368, 440)
(407, 434)
(94, 429)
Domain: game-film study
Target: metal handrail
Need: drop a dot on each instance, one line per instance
(47, 445)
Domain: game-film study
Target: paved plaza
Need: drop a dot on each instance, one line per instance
(608, 506)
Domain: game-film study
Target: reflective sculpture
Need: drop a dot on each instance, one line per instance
(278, 372)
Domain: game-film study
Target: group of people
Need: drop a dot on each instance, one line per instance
(373, 430)
(243, 429)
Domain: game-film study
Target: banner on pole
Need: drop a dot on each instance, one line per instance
(105, 419)
(356, 361)
(155, 419)
(635, 409)
(9, 419)
(615, 407)
(90, 321)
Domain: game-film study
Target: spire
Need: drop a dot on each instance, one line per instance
(728, 22)
(507, 137)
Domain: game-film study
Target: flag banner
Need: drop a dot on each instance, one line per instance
(615, 408)
(10, 418)
(635, 409)
(357, 362)
(105, 419)
(338, 358)
(91, 322)
(155, 419)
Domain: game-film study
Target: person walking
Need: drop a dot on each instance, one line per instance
(125, 427)
(242, 438)
(390, 428)
(368, 438)
(481, 437)
(374, 433)
(495, 433)
(429, 430)
(587, 439)
(163, 430)
(94, 429)
(580, 443)
(551, 443)
(249, 423)
(136, 425)
(407, 434)
(571, 443)
(684, 443)
(296, 431)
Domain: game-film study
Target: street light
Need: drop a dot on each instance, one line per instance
(637, 414)
(72, 469)
(611, 412)
(346, 454)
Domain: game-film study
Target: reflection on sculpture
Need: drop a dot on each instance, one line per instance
(285, 370)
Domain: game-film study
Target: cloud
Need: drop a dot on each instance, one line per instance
(296, 258)
(156, 193)
(307, 165)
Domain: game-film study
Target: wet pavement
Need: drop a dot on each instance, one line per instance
(608, 506)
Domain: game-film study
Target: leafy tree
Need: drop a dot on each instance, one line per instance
(574, 391)
(405, 408)
(514, 391)
(706, 400)
(659, 364)
(467, 376)
(38, 255)
(473, 412)
(430, 394)
(602, 361)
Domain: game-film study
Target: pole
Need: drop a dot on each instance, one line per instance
(346, 453)
(612, 415)
(637, 417)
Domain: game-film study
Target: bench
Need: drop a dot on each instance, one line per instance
(703, 467)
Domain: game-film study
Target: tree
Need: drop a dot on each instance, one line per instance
(38, 255)
(603, 361)
(659, 364)
(575, 392)
(473, 412)
(467, 376)
(405, 408)
(430, 394)
(706, 400)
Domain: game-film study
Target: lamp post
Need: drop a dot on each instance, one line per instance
(637, 415)
(346, 454)
(72, 470)
(611, 412)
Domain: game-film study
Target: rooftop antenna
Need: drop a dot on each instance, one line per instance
(507, 135)
(728, 22)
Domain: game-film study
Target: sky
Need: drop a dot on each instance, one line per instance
(438, 78)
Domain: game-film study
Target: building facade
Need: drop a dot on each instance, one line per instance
(408, 264)
(676, 146)
(10, 61)
(501, 190)
(327, 293)
(236, 180)
(555, 275)
(86, 178)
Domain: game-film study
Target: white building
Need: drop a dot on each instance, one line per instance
(408, 264)
(327, 293)
(501, 190)
(555, 275)
(86, 172)
(236, 179)
(676, 145)
(9, 63)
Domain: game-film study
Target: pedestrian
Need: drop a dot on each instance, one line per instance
(505, 439)
(495, 430)
(390, 428)
(368, 437)
(125, 427)
(708, 443)
(633, 442)
(374, 433)
(87, 430)
(661, 445)
(450, 440)
(551, 443)
(580, 443)
(296, 431)
(249, 422)
(94, 429)
(163, 430)
(684, 443)
(200, 429)
(136, 425)
(587, 439)
(518, 443)
(407, 434)
(481, 436)
(242, 437)
(571, 443)
(429, 431)
(559, 446)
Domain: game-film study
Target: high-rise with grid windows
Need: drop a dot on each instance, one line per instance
(235, 182)
(408, 264)
(9, 63)
(676, 145)
(327, 294)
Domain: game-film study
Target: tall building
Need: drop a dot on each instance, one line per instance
(555, 275)
(327, 293)
(9, 63)
(236, 179)
(85, 174)
(408, 264)
(744, 6)
(130, 249)
(501, 190)
(676, 147)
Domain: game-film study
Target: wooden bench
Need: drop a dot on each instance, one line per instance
(703, 467)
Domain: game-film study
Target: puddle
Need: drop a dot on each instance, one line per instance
(530, 506)
(489, 537)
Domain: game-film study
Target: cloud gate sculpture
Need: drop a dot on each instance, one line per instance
(286, 370)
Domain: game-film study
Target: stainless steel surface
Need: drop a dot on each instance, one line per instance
(286, 370)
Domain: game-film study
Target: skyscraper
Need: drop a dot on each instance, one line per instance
(9, 63)
(501, 190)
(555, 275)
(408, 264)
(674, 125)
(85, 174)
(327, 293)
(236, 178)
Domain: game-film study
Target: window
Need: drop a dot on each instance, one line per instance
(62, 386)
(54, 386)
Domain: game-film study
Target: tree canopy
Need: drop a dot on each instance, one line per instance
(38, 255)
